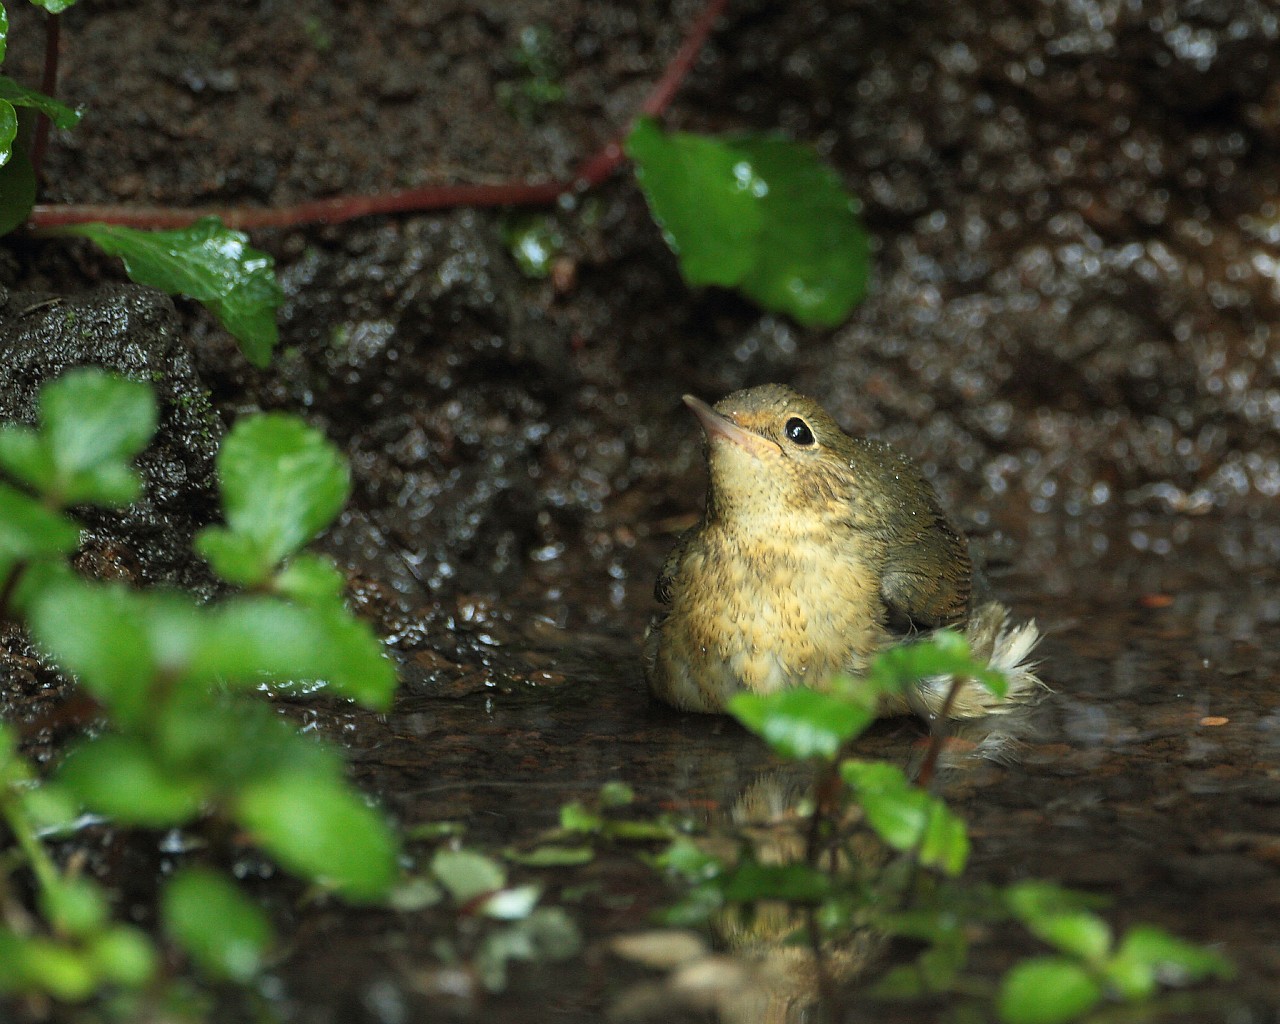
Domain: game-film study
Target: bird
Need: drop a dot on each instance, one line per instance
(816, 551)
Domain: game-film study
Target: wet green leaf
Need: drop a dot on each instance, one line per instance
(92, 424)
(1046, 990)
(119, 776)
(760, 214)
(466, 874)
(320, 829)
(906, 817)
(801, 723)
(54, 6)
(207, 262)
(8, 128)
(4, 32)
(224, 933)
(248, 640)
(124, 955)
(282, 482)
(19, 96)
(17, 188)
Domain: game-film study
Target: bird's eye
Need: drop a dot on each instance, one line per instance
(798, 432)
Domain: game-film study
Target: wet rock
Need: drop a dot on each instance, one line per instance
(132, 331)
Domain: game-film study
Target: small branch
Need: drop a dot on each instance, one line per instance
(48, 86)
(596, 169)
(937, 737)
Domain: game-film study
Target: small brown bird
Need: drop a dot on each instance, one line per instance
(816, 551)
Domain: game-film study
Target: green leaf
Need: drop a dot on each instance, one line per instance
(1046, 990)
(30, 531)
(1031, 900)
(4, 32)
(466, 874)
(125, 956)
(117, 642)
(63, 972)
(801, 723)
(310, 579)
(19, 96)
(207, 262)
(54, 6)
(8, 128)
(92, 423)
(74, 906)
(945, 653)
(223, 932)
(1174, 961)
(574, 817)
(1079, 933)
(320, 829)
(906, 817)
(17, 188)
(252, 639)
(119, 776)
(282, 482)
(551, 856)
(616, 794)
(760, 214)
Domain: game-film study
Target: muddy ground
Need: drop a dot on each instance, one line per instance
(1071, 326)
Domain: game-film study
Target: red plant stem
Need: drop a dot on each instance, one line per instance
(48, 86)
(591, 172)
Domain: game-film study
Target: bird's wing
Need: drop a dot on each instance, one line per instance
(670, 567)
(927, 578)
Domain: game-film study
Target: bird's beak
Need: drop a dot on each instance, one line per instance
(719, 427)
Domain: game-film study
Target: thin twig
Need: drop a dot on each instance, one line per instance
(48, 86)
(591, 172)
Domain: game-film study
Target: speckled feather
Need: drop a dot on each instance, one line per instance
(816, 550)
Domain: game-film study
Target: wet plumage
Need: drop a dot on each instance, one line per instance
(816, 550)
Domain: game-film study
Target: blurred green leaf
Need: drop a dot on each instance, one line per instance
(574, 817)
(1046, 990)
(1173, 960)
(54, 6)
(124, 955)
(223, 932)
(65, 973)
(616, 794)
(534, 242)
(801, 723)
(29, 531)
(74, 906)
(310, 580)
(944, 653)
(207, 262)
(4, 32)
(760, 214)
(906, 817)
(512, 904)
(118, 776)
(1034, 899)
(466, 874)
(92, 424)
(792, 883)
(546, 934)
(282, 482)
(1078, 933)
(320, 829)
(550, 856)
(251, 639)
(19, 96)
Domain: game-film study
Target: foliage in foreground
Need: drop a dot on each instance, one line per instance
(188, 737)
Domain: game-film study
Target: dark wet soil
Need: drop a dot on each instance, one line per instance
(1071, 327)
